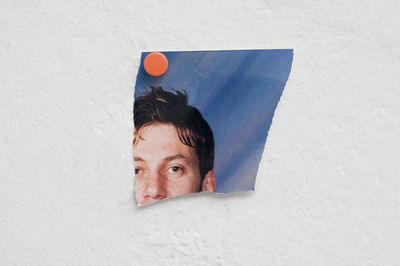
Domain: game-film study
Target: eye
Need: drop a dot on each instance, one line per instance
(137, 171)
(175, 169)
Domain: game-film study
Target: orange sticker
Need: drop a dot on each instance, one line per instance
(155, 64)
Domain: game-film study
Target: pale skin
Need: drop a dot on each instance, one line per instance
(165, 167)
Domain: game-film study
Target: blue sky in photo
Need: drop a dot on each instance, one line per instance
(237, 92)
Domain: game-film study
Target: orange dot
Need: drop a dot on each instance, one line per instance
(155, 64)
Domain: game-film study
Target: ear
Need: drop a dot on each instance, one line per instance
(209, 182)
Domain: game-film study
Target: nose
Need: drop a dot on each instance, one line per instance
(155, 188)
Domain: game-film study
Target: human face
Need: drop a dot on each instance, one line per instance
(164, 166)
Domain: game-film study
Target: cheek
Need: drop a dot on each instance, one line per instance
(139, 188)
(184, 185)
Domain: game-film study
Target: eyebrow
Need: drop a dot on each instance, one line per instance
(138, 159)
(176, 156)
(166, 159)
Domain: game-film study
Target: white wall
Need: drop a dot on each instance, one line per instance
(328, 189)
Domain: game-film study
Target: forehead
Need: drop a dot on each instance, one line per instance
(158, 141)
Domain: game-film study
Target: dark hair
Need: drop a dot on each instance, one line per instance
(160, 106)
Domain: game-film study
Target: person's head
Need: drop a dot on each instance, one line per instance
(173, 147)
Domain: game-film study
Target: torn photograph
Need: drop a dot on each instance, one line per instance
(201, 119)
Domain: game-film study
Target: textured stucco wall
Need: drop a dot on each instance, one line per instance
(328, 189)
